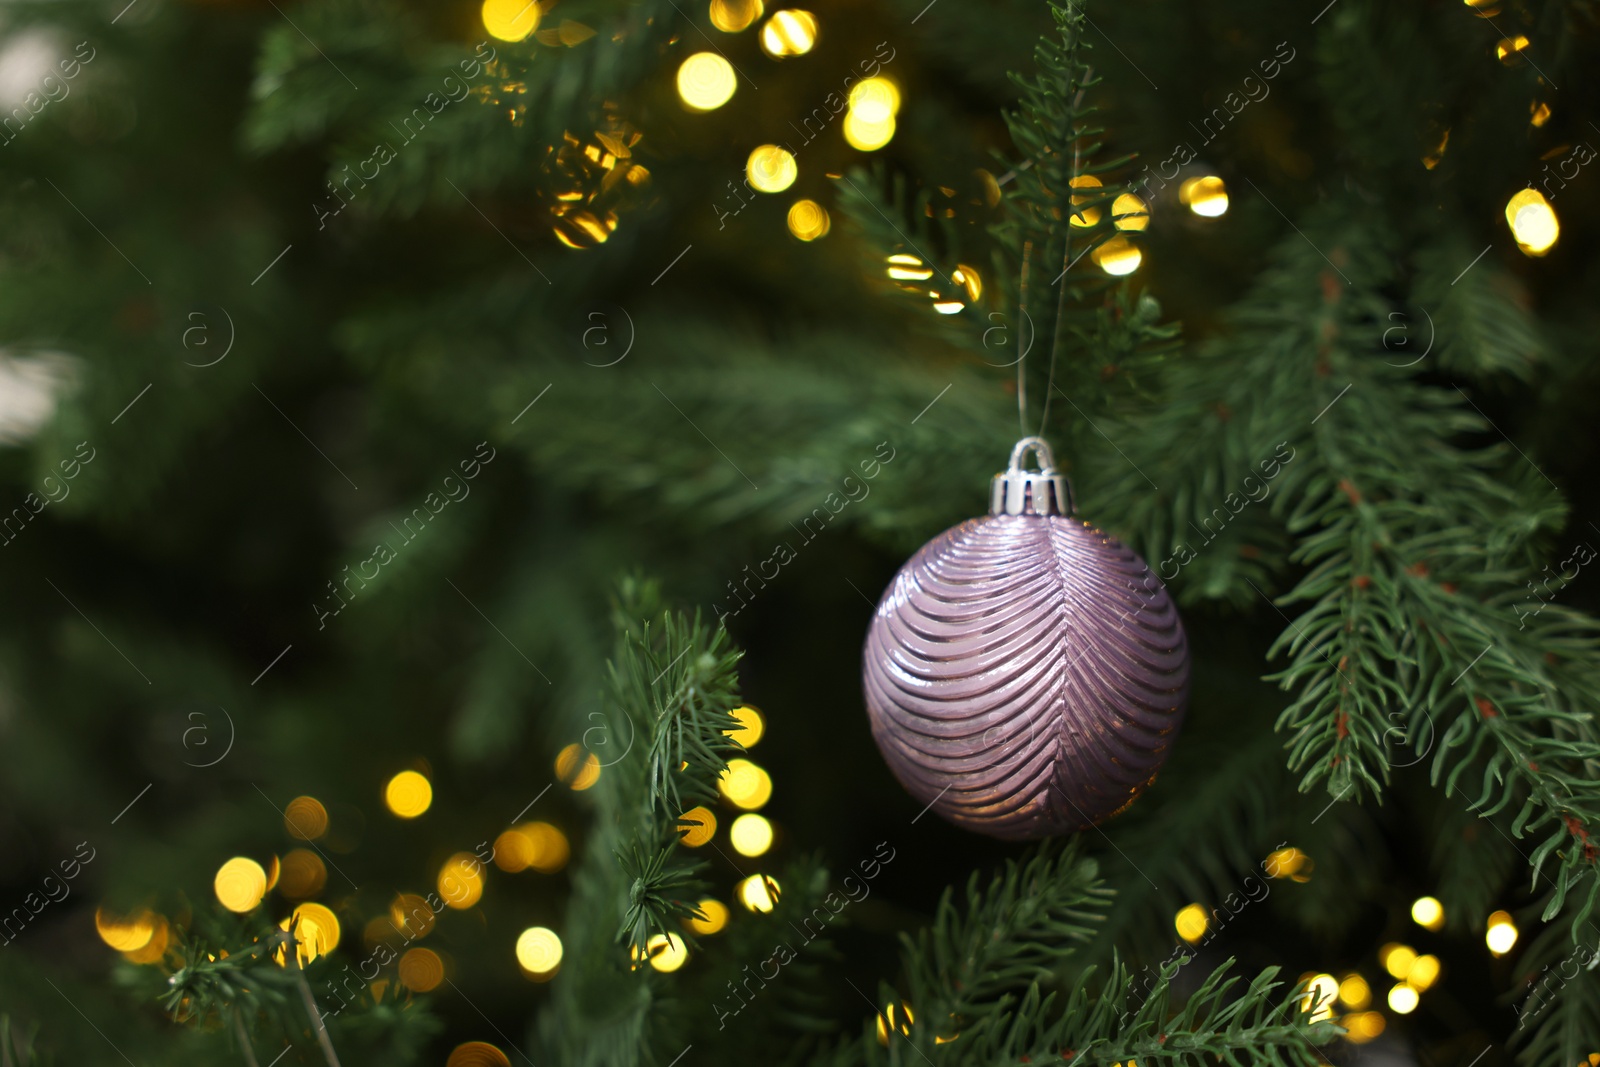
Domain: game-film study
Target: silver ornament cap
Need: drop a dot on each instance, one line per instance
(1018, 491)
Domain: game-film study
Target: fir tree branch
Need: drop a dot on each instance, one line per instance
(971, 963)
(243, 1037)
(679, 683)
(1557, 998)
(761, 985)
(975, 995)
(1414, 548)
(1101, 1026)
(1254, 1025)
(661, 889)
(672, 686)
(968, 970)
(675, 678)
(1480, 326)
(291, 949)
(1417, 621)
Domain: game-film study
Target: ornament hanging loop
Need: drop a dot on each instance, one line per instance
(1019, 491)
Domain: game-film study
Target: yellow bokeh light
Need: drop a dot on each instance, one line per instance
(477, 1054)
(759, 892)
(240, 884)
(408, 794)
(875, 100)
(411, 916)
(315, 927)
(1128, 212)
(155, 949)
(1533, 222)
(533, 845)
(1539, 114)
(745, 785)
(1289, 863)
(305, 818)
(866, 136)
(539, 951)
(550, 847)
(378, 931)
(1436, 154)
(125, 933)
(513, 851)
(751, 724)
(970, 286)
(716, 917)
(771, 169)
(1088, 216)
(891, 1020)
(1363, 1026)
(1354, 992)
(969, 280)
(1428, 913)
(750, 834)
(1117, 257)
(808, 220)
(667, 952)
(904, 267)
(461, 881)
(695, 836)
(580, 230)
(510, 20)
(1506, 51)
(536, 845)
(789, 33)
(1321, 990)
(421, 970)
(1403, 999)
(706, 81)
(304, 874)
(731, 16)
(1397, 959)
(577, 768)
(1191, 922)
(1501, 934)
(1204, 196)
(1423, 973)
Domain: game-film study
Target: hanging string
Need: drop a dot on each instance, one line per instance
(1061, 296)
(1022, 378)
(1055, 337)
(1066, 263)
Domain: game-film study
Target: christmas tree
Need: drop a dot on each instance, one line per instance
(452, 454)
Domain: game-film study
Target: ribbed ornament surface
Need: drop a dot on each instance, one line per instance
(1025, 675)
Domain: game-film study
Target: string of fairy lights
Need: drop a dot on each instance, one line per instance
(1325, 995)
(245, 884)
(707, 81)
